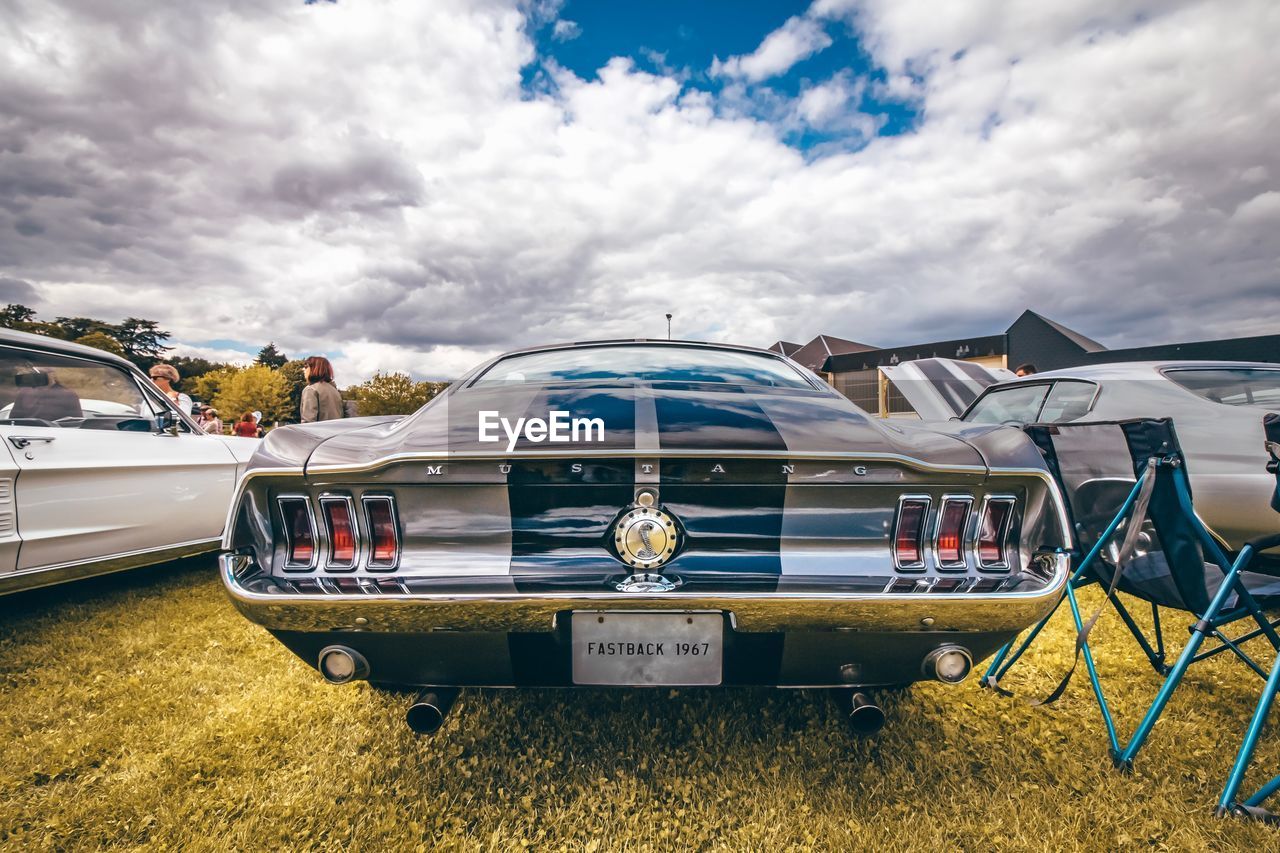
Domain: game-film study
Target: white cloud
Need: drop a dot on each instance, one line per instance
(371, 179)
(566, 30)
(797, 39)
(223, 354)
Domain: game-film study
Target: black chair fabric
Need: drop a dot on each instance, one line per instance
(1096, 465)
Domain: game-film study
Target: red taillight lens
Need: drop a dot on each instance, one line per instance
(908, 533)
(993, 532)
(381, 515)
(342, 535)
(299, 532)
(951, 524)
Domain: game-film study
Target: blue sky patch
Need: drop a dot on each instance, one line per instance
(684, 40)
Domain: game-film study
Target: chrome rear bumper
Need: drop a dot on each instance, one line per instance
(774, 612)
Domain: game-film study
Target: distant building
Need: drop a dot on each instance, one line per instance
(814, 354)
(853, 368)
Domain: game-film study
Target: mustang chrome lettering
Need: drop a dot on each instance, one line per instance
(557, 428)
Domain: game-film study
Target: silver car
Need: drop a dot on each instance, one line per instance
(1216, 407)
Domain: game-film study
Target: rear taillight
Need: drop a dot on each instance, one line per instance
(952, 519)
(993, 533)
(908, 533)
(340, 524)
(299, 533)
(384, 533)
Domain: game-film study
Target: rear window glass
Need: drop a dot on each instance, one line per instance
(1231, 386)
(643, 364)
(1068, 401)
(1016, 404)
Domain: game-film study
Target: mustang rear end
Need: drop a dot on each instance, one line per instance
(733, 521)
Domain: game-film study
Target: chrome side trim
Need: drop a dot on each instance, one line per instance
(536, 612)
(26, 579)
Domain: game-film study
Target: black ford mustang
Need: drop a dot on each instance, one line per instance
(643, 513)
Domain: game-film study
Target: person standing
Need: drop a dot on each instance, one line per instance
(320, 399)
(246, 427)
(212, 423)
(165, 376)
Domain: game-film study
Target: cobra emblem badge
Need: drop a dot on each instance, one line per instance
(646, 537)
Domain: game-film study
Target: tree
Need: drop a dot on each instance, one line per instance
(143, 341)
(192, 368)
(269, 356)
(257, 388)
(292, 371)
(75, 328)
(14, 316)
(208, 385)
(393, 394)
(102, 341)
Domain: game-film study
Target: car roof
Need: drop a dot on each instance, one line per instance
(57, 345)
(1139, 369)
(604, 342)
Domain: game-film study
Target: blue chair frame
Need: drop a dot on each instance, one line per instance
(1210, 622)
(1251, 806)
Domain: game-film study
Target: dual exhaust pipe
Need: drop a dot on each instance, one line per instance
(431, 707)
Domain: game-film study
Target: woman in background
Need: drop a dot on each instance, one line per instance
(320, 399)
(246, 427)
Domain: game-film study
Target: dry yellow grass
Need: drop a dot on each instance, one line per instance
(141, 711)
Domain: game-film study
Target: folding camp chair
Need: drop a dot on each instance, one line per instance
(1252, 806)
(1127, 481)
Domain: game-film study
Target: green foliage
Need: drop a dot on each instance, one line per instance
(141, 341)
(392, 394)
(269, 356)
(192, 368)
(292, 372)
(14, 316)
(207, 385)
(252, 389)
(141, 711)
(102, 341)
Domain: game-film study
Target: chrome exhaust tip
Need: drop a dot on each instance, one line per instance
(429, 710)
(949, 664)
(340, 665)
(865, 716)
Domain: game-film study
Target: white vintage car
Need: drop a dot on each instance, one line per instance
(99, 472)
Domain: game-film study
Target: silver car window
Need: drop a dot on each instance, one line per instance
(43, 389)
(1231, 386)
(1069, 400)
(1014, 404)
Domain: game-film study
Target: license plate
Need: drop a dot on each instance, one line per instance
(640, 649)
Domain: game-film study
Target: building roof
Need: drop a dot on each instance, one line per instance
(959, 348)
(785, 347)
(1086, 344)
(815, 353)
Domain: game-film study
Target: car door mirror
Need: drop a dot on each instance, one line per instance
(168, 422)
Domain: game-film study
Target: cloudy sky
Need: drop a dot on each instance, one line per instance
(418, 185)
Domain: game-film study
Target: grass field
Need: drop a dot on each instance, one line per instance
(142, 711)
